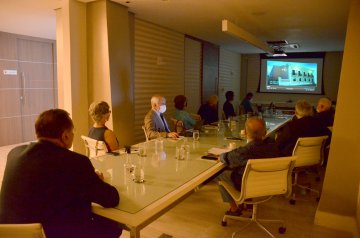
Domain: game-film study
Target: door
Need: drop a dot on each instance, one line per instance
(27, 85)
(36, 73)
(10, 88)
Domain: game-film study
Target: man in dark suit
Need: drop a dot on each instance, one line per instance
(44, 182)
(302, 125)
(155, 122)
(228, 108)
(256, 148)
(325, 112)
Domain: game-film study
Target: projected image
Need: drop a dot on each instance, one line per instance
(291, 74)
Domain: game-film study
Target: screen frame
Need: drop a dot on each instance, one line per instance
(293, 56)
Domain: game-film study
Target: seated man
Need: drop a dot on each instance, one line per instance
(228, 108)
(208, 111)
(236, 160)
(325, 112)
(46, 183)
(245, 104)
(155, 122)
(304, 124)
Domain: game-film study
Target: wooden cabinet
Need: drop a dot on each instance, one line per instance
(27, 85)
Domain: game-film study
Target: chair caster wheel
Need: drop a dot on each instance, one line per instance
(223, 223)
(292, 201)
(282, 230)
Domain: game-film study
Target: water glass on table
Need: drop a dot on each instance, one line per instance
(142, 150)
(196, 135)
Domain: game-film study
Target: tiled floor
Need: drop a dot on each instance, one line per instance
(200, 215)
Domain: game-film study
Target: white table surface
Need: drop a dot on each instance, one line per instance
(167, 179)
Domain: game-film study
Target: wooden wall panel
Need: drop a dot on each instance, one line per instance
(11, 130)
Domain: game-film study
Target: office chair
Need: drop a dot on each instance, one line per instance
(94, 147)
(309, 152)
(262, 179)
(178, 126)
(33, 230)
(146, 135)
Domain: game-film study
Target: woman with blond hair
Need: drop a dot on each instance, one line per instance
(100, 113)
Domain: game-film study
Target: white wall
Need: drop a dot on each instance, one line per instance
(229, 77)
(339, 199)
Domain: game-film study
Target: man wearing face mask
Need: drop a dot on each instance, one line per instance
(155, 122)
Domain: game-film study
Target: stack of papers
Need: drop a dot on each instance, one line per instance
(218, 151)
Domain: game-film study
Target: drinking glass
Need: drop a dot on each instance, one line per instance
(196, 135)
(159, 144)
(142, 150)
(139, 176)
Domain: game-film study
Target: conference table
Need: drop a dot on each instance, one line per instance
(167, 179)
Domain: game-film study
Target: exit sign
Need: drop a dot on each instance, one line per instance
(10, 72)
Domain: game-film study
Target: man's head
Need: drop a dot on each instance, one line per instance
(55, 125)
(213, 100)
(229, 95)
(180, 102)
(324, 104)
(249, 96)
(303, 109)
(158, 103)
(255, 128)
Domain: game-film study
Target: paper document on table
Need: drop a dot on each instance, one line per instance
(218, 151)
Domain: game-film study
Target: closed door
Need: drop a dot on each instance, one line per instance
(36, 69)
(27, 86)
(10, 89)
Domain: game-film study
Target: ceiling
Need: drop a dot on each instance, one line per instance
(318, 25)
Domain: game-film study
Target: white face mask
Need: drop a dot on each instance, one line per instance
(162, 109)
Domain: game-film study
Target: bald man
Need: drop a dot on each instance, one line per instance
(155, 122)
(325, 112)
(304, 124)
(257, 147)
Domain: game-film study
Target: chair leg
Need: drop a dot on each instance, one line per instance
(256, 221)
(295, 184)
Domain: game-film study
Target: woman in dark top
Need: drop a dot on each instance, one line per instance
(100, 113)
(228, 108)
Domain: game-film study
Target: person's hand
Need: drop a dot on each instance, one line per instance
(172, 135)
(101, 176)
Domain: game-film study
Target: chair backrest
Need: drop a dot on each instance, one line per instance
(309, 151)
(94, 147)
(33, 230)
(267, 177)
(178, 126)
(146, 135)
